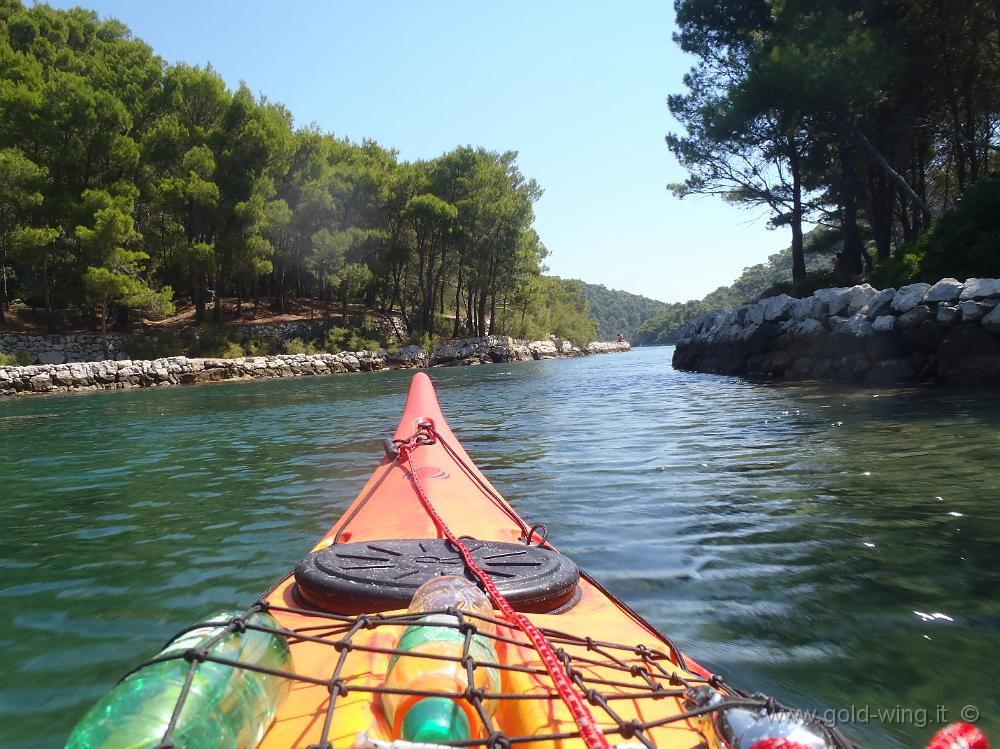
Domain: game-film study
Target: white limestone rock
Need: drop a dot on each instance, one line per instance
(945, 290)
(981, 288)
(859, 297)
(909, 297)
(835, 300)
(777, 307)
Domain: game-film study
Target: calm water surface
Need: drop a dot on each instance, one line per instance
(838, 549)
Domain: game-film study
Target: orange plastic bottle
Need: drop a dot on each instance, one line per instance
(434, 719)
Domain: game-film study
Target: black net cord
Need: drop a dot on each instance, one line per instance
(645, 680)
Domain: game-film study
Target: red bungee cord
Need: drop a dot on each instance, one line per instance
(592, 736)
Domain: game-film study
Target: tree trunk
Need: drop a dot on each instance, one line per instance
(104, 329)
(851, 262)
(3, 289)
(458, 300)
(798, 249)
(481, 315)
(50, 323)
(893, 174)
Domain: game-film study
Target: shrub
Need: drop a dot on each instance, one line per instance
(423, 340)
(335, 340)
(20, 358)
(214, 341)
(261, 346)
(297, 346)
(232, 350)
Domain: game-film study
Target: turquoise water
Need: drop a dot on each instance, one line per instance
(835, 548)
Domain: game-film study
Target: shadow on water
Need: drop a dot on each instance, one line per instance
(835, 548)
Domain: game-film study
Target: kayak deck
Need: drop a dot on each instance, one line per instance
(634, 678)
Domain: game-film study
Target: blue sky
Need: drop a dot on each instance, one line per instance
(578, 88)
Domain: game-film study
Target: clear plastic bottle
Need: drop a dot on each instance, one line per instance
(435, 719)
(226, 708)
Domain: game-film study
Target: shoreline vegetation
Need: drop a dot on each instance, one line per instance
(182, 370)
(130, 187)
(876, 123)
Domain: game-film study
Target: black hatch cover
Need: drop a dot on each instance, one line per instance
(373, 576)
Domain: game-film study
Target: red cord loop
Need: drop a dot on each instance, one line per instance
(592, 736)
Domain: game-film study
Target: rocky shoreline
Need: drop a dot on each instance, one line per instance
(182, 370)
(946, 333)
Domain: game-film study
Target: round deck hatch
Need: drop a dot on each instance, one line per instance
(373, 576)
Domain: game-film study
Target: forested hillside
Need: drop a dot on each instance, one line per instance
(619, 311)
(770, 277)
(127, 183)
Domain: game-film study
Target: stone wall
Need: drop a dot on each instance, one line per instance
(179, 370)
(88, 347)
(58, 349)
(948, 333)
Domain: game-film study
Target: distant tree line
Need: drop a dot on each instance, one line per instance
(619, 311)
(755, 282)
(127, 183)
(873, 117)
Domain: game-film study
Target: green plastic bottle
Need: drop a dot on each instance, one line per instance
(226, 708)
(437, 719)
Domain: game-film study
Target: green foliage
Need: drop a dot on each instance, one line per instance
(899, 269)
(619, 311)
(261, 346)
(19, 358)
(418, 338)
(364, 338)
(823, 110)
(123, 177)
(231, 350)
(297, 346)
(556, 306)
(964, 241)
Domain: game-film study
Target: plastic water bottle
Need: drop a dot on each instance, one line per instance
(744, 728)
(436, 719)
(226, 707)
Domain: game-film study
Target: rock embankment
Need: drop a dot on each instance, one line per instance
(948, 333)
(179, 370)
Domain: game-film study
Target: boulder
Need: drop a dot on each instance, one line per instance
(981, 288)
(778, 307)
(884, 324)
(973, 311)
(802, 309)
(912, 317)
(945, 290)
(835, 301)
(859, 297)
(991, 322)
(909, 297)
(881, 303)
(948, 314)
